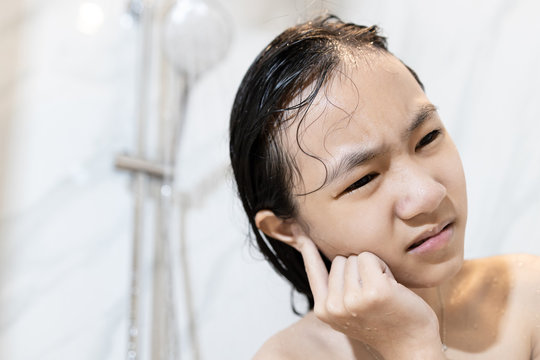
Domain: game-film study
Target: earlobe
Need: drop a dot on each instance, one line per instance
(276, 227)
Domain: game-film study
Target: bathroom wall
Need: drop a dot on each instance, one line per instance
(67, 107)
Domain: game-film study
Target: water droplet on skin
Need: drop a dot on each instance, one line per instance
(520, 264)
(347, 324)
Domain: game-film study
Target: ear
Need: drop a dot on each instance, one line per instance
(276, 227)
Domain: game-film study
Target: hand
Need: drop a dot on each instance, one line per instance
(361, 298)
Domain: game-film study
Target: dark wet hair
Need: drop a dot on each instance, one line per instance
(302, 57)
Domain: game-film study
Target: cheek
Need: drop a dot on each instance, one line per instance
(455, 182)
(351, 230)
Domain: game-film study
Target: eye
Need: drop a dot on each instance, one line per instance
(361, 182)
(429, 138)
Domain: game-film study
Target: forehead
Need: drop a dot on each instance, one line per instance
(367, 102)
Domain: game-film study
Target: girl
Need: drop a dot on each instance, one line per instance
(356, 195)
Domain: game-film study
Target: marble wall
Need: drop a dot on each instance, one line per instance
(67, 107)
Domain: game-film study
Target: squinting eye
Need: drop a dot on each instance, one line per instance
(363, 181)
(426, 140)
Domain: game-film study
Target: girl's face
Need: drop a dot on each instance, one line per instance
(393, 175)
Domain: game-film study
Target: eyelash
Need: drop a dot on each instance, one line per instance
(363, 181)
(428, 139)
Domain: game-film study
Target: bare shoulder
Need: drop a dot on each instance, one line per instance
(520, 267)
(280, 345)
(308, 338)
(513, 277)
(499, 281)
(494, 298)
(526, 266)
(525, 271)
(526, 295)
(274, 348)
(287, 343)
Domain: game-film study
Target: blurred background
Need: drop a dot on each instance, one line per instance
(68, 103)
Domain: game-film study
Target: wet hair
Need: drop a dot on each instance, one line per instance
(301, 59)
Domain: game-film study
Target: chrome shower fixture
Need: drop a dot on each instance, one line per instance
(179, 41)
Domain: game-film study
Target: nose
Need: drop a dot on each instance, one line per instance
(417, 192)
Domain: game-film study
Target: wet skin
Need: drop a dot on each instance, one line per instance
(393, 172)
(379, 174)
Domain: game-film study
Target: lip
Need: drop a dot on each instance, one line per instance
(432, 239)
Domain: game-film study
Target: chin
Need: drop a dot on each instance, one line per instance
(431, 275)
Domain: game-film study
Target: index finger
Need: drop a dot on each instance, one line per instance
(315, 268)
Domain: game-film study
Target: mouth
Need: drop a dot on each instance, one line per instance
(428, 235)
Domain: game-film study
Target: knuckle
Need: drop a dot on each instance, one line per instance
(335, 309)
(351, 301)
(375, 296)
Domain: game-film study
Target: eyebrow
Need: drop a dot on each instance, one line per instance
(424, 112)
(354, 159)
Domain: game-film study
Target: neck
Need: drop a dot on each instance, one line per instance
(435, 297)
(429, 295)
